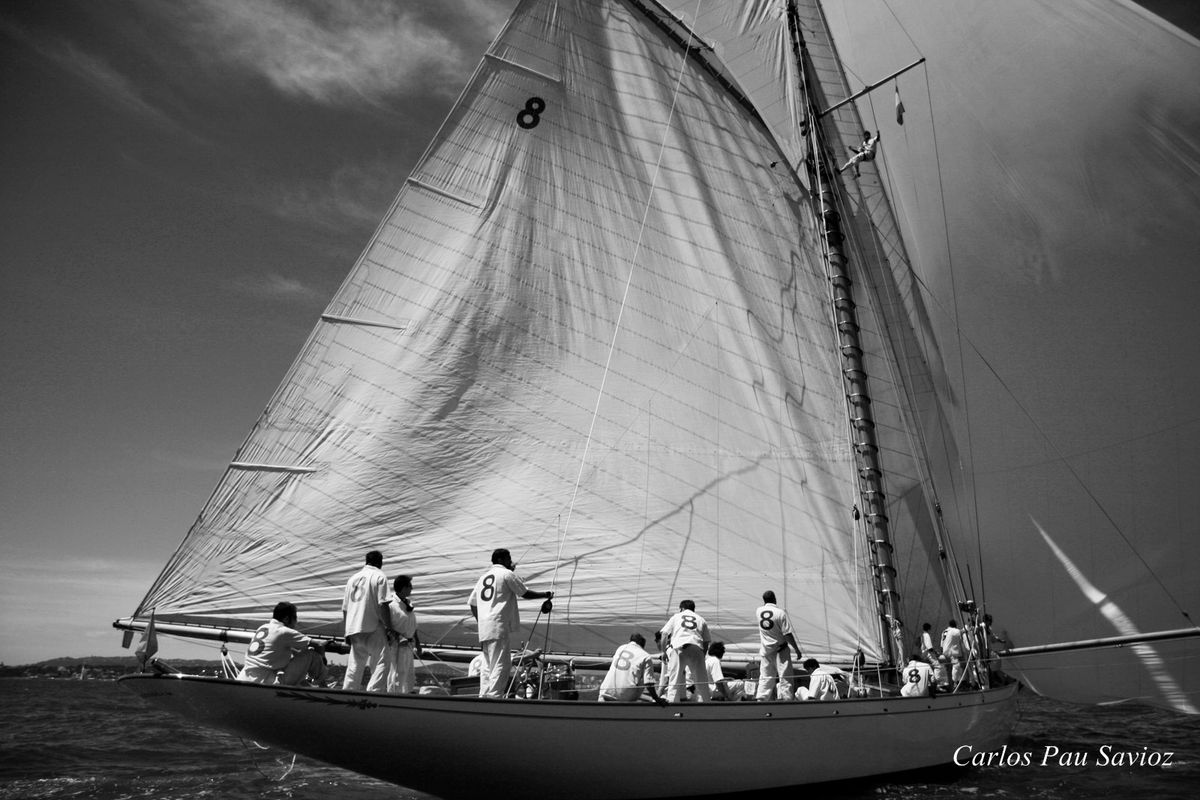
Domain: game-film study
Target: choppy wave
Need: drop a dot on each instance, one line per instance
(94, 740)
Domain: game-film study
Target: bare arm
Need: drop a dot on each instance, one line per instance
(792, 640)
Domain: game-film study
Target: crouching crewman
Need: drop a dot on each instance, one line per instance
(277, 647)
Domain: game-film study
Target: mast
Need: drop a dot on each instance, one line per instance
(858, 398)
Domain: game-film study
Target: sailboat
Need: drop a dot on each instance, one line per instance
(626, 319)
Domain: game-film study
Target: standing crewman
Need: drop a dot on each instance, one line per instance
(493, 604)
(366, 623)
(776, 640)
(402, 618)
(952, 651)
(686, 634)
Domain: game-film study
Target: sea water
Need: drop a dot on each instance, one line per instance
(96, 740)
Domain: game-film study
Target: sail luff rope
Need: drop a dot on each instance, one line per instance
(621, 311)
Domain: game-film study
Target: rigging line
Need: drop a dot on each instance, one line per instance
(1123, 442)
(856, 253)
(962, 339)
(900, 25)
(927, 477)
(915, 434)
(974, 489)
(612, 345)
(1078, 479)
(818, 145)
(692, 335)
(860, 525)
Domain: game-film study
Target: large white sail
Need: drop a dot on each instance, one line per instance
(760, 39)
(1063, 293)
(1053, 305)
(594, 328)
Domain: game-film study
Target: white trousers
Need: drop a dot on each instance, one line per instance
(307, 665)
(773, 667)
(689, 658)
(496, 669)
(401, 677)
(366, 650)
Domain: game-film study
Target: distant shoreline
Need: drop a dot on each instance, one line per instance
(94, 666)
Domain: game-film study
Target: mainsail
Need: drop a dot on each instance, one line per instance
(595, 328)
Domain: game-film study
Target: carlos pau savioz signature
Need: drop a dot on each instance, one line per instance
(1050, 755)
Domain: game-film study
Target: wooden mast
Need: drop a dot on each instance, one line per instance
(866, 448)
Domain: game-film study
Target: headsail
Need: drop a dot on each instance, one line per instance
(765, 36)
(1063, 314)
(594, 328)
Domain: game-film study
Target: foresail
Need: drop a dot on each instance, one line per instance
(594, 329)
(1059, 276)
(760, 39)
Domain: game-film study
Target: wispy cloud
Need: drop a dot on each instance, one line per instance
(273, 286)
(109, 84)
(356, 194)
(29, 579)
(335, 53)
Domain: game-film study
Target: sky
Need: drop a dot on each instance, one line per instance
(183, 185)
(182, 188)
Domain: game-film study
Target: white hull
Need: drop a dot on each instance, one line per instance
(462, 746)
